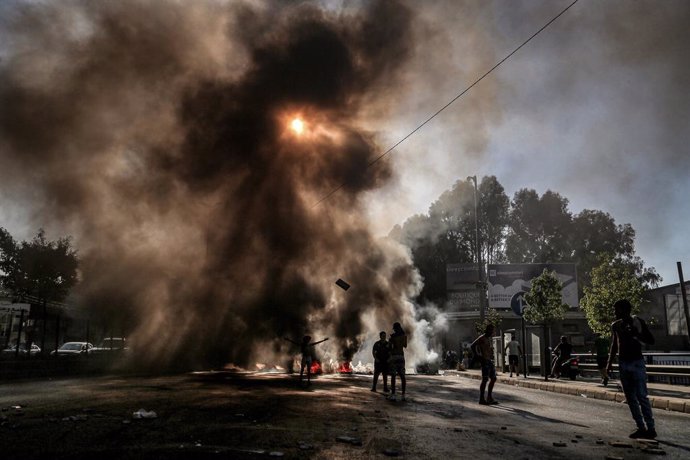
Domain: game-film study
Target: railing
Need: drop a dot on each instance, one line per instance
(671, 368)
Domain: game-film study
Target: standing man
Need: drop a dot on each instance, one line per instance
(381, 354)
(398, 343)
(514, 351)
(484, 351)
(628, 334)
(307, 349)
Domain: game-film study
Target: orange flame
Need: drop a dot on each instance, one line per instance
(345, 368)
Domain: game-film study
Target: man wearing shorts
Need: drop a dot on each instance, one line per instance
(398, 343)
(514, 351)
(484, 351)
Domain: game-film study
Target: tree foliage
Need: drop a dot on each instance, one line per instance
(8, 259)
(613, 279)
(527, 229)
(42, 269)
(545, 299)
(494, 212)
(447, 233)
(539, 228)
(492, 317)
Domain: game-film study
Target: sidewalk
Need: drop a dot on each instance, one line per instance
(662, 396)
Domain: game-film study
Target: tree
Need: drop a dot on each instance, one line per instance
(8, 261)
(39, 270)
(595, 233)
(539, 228)
(545, 300)
(613, 279)
(492, 317)
(445, 235)
(45, 270)
(494, 214)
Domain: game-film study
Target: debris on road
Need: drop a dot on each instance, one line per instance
(143, 413)
(349, 440)
(559, 444)
(653, 451)
(621, 444)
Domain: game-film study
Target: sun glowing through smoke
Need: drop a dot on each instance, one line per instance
(297, 126)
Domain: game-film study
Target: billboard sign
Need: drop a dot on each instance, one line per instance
(508, 282)
(461, 287)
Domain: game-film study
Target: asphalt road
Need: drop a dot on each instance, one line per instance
(225, 415)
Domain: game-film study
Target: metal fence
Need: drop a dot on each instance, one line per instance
(670, 368)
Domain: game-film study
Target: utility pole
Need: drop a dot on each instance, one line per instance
(480, 268)
(684, 296)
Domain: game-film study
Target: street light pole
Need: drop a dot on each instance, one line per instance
(479, 251)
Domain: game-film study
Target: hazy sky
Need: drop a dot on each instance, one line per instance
(596, 108)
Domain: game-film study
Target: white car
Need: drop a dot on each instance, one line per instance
(111, 344)
(73, 348)
(35, 349)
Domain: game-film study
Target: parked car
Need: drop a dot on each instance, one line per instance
(73, 348)
(35, 349)
(111, 344)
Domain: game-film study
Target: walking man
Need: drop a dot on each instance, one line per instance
(381, 354)
(602, 346)
(561, 353)
(514, 351)
(484, 351)
(628, 334)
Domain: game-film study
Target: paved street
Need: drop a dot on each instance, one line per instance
(225, 415)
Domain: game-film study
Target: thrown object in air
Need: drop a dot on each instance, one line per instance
(342, 284)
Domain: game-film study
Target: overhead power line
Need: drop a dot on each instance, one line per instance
(462, 93)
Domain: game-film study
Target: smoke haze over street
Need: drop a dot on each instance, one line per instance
(158, 135)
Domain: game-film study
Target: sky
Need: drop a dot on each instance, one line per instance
(156, 134)
(596, 107)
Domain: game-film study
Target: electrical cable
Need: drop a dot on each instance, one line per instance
(374, 161)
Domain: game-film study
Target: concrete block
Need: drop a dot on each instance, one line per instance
(620, 397)
(610, 396)
(659, 403)
(677, 405)
(687, 408)
(600, 395)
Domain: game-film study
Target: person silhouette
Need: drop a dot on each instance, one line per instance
(307, 350)
(398, 343)
(381, 352)
(628, 334)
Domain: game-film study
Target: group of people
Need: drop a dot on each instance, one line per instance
(389, 358)
(628, 335)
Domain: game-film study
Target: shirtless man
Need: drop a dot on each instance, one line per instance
(484, 351)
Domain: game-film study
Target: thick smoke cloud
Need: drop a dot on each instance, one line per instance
(157, 134)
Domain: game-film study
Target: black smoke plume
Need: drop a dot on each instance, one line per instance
(157, 133)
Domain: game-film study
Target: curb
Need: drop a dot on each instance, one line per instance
(586, 391)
